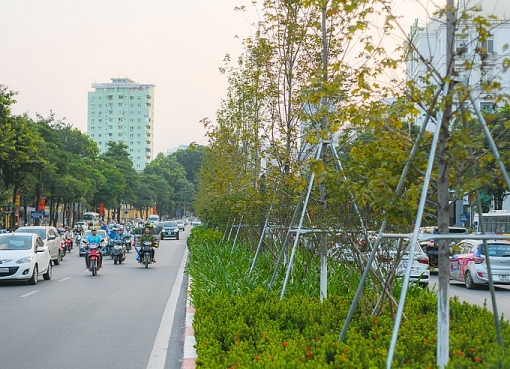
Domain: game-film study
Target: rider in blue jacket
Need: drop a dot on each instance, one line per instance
(93, 238)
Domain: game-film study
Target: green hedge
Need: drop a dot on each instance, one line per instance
(241, 323)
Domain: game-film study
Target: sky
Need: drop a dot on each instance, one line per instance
(52, 51)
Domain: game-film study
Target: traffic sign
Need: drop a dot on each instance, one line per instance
(36, 214)
(464, 218)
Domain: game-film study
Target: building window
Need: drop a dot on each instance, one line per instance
(99, 120)
(461, 45)
(121, 97)
(131, 97)
(92, 98)
(487, 106)
(487, 46)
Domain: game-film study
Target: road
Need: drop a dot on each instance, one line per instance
(480, 296)
(125, 317)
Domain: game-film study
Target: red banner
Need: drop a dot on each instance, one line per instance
(154, 210)
(101, 209)
(42, 204)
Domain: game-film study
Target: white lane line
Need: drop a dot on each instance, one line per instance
(159, 349)
(30, 293)
(64, 279)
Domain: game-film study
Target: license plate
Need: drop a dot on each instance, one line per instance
(503, 278)
(4, 270)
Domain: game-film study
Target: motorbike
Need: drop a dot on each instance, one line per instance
(68, 244)
(127, 243)
(94, 258)
(118, 251)
(107, 250)
(63, 250)
(77, 239)
(145, 254)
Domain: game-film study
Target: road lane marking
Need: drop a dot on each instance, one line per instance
(30, 293)
(159, 349)
(64, 279)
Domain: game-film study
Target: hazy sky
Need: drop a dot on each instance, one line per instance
(53, 50)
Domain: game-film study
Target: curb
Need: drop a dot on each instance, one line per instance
(190, 353)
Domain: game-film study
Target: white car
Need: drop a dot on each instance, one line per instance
(23, 256)
(468, 263)
(181, 224)
(393, 257)
(50, 237)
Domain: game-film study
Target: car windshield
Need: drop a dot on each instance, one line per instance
(41, 232)
(16, 243)
(169, 224)
(496, 249)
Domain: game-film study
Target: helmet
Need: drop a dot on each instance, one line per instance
(93, 229)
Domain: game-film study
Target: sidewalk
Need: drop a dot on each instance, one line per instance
(190, 354)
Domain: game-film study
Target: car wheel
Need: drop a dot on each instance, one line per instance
(57, 260)
(49, 272)
(33, 278)
(177, 237)
(468, 281)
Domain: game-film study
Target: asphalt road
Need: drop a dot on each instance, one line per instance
(480, 296)
(125, 317)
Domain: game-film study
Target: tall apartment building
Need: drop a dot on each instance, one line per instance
(123, 111)
(485, 58)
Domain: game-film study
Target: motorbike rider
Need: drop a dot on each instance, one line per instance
(147, 236)
(69, 234)
(93, 237)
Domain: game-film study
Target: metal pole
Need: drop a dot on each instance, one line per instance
(414, 240)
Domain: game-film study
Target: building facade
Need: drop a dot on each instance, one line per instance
(123, 111)
(478, 63)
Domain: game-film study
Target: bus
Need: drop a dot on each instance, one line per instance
(495, 222)
(91, 217)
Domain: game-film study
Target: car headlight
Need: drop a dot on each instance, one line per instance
(25, 260)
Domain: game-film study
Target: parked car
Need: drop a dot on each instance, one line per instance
(101, 232)
(170, 230)
(393, 256)
(24, 256)
(468, 262)
(181, 224)
(431, 247)
(50, 236)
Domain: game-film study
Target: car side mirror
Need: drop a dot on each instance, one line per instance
(40, 249)
(52, 237)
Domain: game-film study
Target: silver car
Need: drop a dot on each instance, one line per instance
(393, 257)
(50, 237)
(468, 262)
